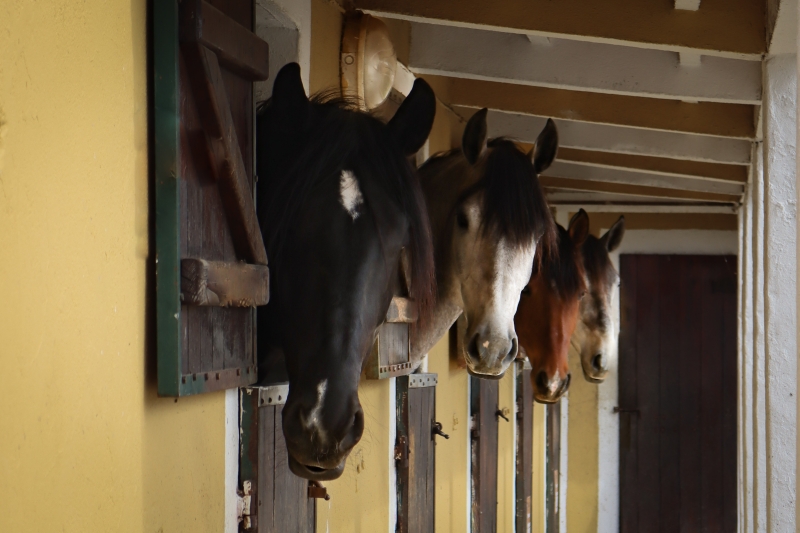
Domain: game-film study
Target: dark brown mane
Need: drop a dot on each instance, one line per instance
(513, 202)
(563, 267)
(596, 263)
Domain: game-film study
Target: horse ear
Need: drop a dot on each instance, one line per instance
(473, 143)
(413, 120)
(289, 99)
(613, 237)
(579, 228)
(546, 147)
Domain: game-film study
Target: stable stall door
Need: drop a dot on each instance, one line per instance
(484, 410)
(677, 393)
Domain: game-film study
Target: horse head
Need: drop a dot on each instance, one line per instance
(487, 213)
(596, 334)
(340, 210)
(548, 310)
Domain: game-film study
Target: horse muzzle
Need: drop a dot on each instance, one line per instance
(314, 472)
(549, 390)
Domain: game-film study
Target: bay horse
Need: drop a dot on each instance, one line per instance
(487, 213)
(339, 205)
(548, 310)
(596, 334)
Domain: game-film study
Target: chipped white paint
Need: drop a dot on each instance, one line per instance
(572, 64)
(350, 194)
(780, 276)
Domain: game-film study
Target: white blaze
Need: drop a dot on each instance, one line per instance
(350, 194)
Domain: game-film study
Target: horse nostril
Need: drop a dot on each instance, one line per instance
(512, 353)
(541, 380)
(597, 362)
(355, 431)
(472, 349)
(358, 423)
(566, 383)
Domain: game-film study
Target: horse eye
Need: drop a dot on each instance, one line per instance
(526, 291)
(461, 220)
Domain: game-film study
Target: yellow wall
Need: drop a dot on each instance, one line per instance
(539, 484)
(452, 455)
(582, 458)
(86, 445)
(360, 498)
(506, 453)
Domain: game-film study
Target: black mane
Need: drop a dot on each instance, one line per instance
(336, 133)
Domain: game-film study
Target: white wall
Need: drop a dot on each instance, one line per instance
(780, 274)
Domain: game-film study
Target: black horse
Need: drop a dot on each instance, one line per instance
(341, 210)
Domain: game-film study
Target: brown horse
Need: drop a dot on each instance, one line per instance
(548, 310)
(596, 334)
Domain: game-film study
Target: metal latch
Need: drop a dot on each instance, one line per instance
(243, 499)
(437, 430)
(503, 413)
(316, 490)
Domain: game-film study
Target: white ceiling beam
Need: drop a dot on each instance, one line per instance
(674, 208)
(563, 169)
(687, 5)
(565, 196)
(689, 59)
(605, 138)
(567, 64)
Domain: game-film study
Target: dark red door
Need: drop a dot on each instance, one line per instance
(677, 393)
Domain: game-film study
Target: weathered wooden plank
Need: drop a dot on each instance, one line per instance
(628, 442)
(716, 28)
(707, 118)
(223, 145)
(668, 341)
(691, 464)
(484, 456)
(216, 283)
(235, 45)
(524, 462)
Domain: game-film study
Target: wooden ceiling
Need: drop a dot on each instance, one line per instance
(656, 103)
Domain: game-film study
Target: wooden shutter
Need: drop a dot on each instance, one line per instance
(524, 463)
(415, 452)
(484, 410)
(390, 356)
(211, 265)
(279, 501)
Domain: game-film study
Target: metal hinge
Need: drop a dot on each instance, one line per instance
(243, 499)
